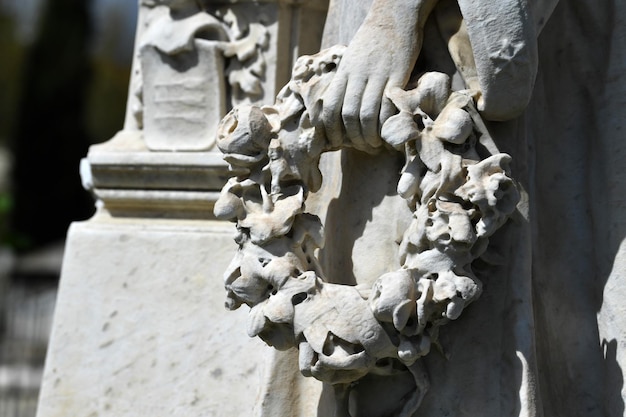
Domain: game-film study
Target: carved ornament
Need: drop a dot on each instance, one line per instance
(456, 183)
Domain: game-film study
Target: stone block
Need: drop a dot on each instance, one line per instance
(140, 328)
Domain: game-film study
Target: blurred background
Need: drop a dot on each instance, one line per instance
(64, 71)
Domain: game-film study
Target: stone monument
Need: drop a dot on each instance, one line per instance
(427, 221)
(140, 327)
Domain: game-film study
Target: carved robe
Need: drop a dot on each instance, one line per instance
(546, 335)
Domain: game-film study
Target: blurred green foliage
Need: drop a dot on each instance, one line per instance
(12, 53)
(8, 238)
(106, 106)
(43, 117)
(10, 69)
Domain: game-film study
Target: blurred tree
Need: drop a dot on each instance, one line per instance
(50, 133)
(107, 98)
(12, 52)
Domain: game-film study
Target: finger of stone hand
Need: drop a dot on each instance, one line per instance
(394, 88)
(400, 98)
(387, 109)
(350, 113)
(331, 111)
(370, 112)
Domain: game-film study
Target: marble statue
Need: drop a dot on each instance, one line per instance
(139, 328)
(516, 350)
(428, 205)
(455, 181)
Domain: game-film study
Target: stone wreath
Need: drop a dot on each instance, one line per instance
(454, 180)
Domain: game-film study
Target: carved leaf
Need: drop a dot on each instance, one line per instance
(267, 219)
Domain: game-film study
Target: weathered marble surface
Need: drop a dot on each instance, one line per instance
(458, 191)
(139, 326)
(546, 337)
(580, 228)
(195, 60)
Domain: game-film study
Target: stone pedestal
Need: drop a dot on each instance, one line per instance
(140, 329)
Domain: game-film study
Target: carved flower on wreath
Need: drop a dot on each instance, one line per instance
(494, 193)
(263, 216)
(273, 319)
(426, 101)
(247, 42)
(258, 272)
(243, 136)
(449, 226)
(254, 278)
(454, 292)
(268, 216)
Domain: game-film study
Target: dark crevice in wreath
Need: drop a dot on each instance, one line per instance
(454, 180)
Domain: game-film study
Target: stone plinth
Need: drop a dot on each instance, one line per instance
(140, 328)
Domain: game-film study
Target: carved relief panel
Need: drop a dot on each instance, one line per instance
(196, 59)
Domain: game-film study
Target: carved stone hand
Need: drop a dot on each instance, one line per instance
(381, 56)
